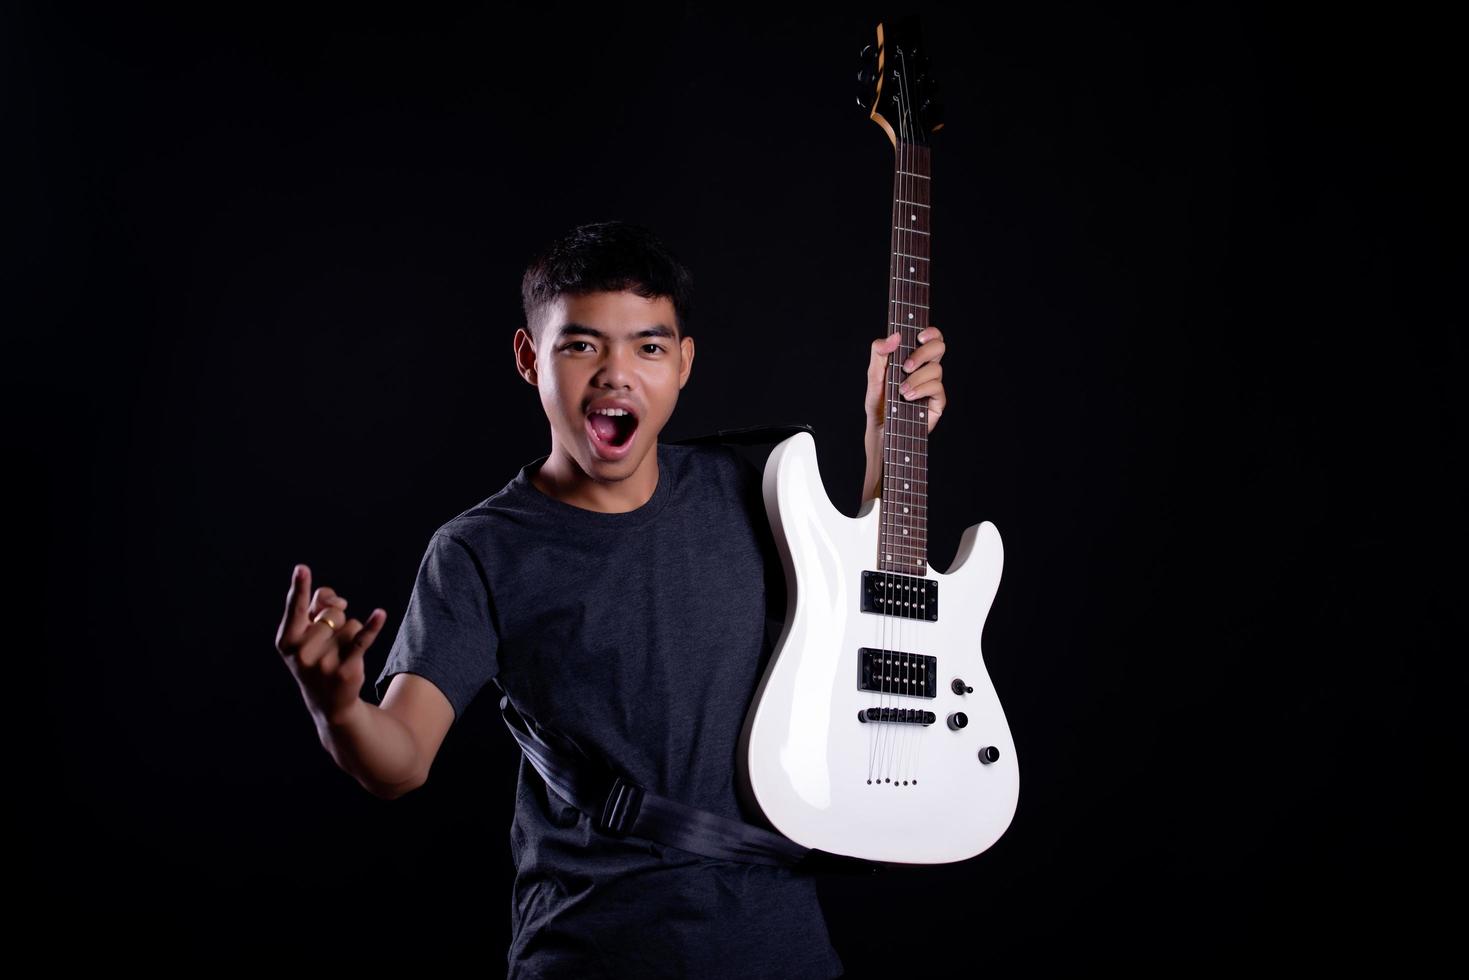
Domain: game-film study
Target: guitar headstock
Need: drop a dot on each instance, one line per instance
(895, 87)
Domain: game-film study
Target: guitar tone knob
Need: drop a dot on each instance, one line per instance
(958, 720)
(988, 754)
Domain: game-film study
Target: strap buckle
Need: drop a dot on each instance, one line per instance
(621, 807)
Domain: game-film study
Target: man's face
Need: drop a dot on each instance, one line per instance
(603, 347)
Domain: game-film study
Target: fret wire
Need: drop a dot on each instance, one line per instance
(904, 525)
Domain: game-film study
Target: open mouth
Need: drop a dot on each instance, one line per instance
(612, 435)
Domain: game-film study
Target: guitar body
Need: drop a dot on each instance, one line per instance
(875, 731)
(899, 793)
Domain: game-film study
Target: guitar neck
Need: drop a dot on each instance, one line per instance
(903, 539)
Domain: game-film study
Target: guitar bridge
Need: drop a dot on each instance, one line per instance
(895, 672)
(897, 716)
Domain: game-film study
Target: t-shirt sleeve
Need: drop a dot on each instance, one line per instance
(448, 634)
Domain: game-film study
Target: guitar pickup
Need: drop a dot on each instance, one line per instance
(894, 672)
(896, 594)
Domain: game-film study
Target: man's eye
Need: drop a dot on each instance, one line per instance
(657, 348)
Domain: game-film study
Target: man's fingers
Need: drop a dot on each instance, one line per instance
(293, 620)
(351, 641)
(318, 639)
(877, 367)
(932, 371)
(331, 655)
(333, 605)
(882, 348)
(364, 637)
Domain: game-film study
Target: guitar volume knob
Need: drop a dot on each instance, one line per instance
(988, 754)
(958, 720)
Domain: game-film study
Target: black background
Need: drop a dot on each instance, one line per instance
(1196, 276)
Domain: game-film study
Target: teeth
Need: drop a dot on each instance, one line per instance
(609, 411)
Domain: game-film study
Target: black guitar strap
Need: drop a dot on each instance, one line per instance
(621, 808)
(750, 435)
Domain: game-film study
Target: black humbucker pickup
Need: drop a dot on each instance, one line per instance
(895, 672)
(896, 594)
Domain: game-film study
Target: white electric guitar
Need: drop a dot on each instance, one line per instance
(876, 732)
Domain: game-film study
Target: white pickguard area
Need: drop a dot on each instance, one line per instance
(900, 793)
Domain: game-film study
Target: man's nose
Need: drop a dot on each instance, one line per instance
(618, 366)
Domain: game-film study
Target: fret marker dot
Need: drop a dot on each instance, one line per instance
(905, 486)
(905, 510)
(910, 268)
(906, 458)
(910, 316)
(912, 217)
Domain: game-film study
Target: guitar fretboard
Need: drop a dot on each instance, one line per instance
(903, 541)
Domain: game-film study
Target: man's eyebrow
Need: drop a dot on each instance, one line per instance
(570, 329)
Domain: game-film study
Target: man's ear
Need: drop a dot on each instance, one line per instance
(687, 344)
(525, 356)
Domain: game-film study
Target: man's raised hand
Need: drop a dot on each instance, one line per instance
(924, 381)
(326, 661)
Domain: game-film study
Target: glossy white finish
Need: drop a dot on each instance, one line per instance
(807, 758)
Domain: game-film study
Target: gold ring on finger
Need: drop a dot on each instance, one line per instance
(323, 617)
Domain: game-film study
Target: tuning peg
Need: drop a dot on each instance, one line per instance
(866, 77)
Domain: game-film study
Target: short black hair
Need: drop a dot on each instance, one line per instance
(606, 256)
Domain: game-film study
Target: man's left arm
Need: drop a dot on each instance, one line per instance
(925, 381)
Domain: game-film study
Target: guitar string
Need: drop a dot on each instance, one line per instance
(897, 418)
(904, 733)
(892, 592)
(899, 672)
(904, 730)
(919, 421)
(894, 428)
(877, 742)
(890, 446)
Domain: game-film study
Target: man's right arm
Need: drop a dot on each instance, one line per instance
(390, 748)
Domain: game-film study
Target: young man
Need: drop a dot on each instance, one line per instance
(616, 591)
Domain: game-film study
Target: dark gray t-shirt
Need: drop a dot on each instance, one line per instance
(641, 637)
